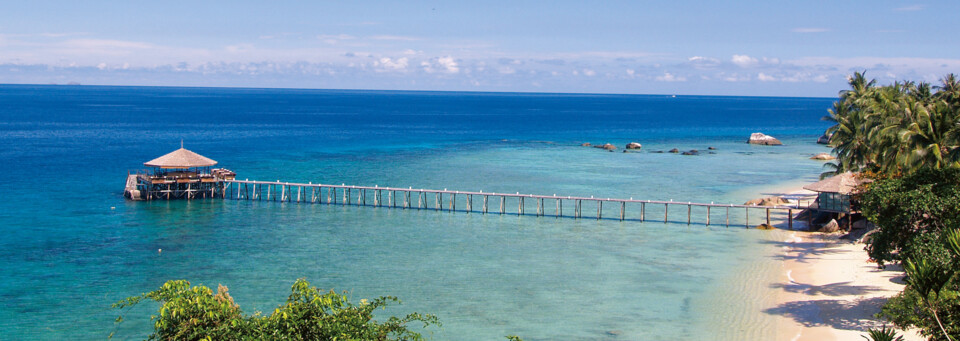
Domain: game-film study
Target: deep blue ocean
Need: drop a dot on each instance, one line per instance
(70, 245)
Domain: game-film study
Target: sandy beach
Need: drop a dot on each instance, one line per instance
(828, 289)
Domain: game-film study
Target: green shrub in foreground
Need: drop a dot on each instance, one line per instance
(196, 313)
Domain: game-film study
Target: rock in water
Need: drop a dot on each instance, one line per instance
(712, 148)
(763, 139)
(585, 144)
(674, 150)
(691, 152)
(634, 145)
(607, 146)
(768, 201)
(822, 156)
(765, 227)
(824, 139)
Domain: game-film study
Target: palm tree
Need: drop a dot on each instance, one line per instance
(897, 128)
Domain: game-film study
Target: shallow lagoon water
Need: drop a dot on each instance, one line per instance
(71, 245)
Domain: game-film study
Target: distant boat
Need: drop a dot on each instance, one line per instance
(673, 96)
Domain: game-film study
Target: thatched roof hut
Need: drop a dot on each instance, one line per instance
(180, 159)
(834, 192)
(844, 183)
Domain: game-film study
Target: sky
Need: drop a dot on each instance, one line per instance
(749, 48)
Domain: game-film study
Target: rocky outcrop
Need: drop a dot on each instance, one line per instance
(763, 139)
(691, 152)
(824, 139)
(831, 227)
(768, 201)
(634, 145)
(607, 146)
(674, 150)
(822, 156)
(765, 227)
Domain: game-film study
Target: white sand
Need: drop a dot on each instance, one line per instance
(829, 290)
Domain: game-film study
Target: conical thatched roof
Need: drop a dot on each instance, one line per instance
(844, 184)
(180, 158)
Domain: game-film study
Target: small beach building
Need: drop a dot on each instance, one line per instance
(180, 174)
(833, 193)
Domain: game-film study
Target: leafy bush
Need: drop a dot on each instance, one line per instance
(196, 313)
(927, 201)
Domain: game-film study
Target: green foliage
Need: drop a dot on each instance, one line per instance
(898, 128)
(883, 334)
(925, 202)
(195, 313)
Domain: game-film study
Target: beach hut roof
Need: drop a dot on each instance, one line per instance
(844, 184)
(181, 158)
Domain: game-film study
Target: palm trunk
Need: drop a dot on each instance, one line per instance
(940, 324)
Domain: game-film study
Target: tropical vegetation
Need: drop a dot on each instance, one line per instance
(197, 313)
(906, 138)
(898, 128)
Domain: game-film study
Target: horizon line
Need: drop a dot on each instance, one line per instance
(72, 84)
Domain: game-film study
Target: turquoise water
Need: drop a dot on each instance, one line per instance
(71, 245)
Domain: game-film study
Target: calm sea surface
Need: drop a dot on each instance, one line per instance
(70, 245)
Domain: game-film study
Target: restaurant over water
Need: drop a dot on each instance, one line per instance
(180, 174)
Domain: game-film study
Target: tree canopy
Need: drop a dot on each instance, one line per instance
(897, 128)
(196, 313)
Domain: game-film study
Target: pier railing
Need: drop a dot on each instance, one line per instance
(411, 198)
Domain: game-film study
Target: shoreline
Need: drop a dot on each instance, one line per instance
(826, 288)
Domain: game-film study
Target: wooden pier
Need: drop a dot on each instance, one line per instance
(489, 202)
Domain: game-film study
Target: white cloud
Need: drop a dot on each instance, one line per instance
(765, 78)
(669, 77)
(810, 30)
(912, 8)
(102, 66)
(589, 73)
(743, 60)
(701, 59)
(441, 64)
(388, 64)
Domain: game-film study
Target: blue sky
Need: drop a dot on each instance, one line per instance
(766, 48)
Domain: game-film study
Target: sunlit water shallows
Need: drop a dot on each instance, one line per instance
(71, 245)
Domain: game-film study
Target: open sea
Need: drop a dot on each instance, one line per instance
(70, 244)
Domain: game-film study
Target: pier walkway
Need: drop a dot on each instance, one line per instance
(411, 198)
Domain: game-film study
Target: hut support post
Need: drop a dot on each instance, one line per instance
(790, 218)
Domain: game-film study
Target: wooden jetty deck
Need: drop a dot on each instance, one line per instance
(410, 198)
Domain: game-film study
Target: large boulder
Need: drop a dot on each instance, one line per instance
(824, 139)
(634, 145)
(763, 139)
(831, 227)
(768, 201)
(822, 156)
(606, 146)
